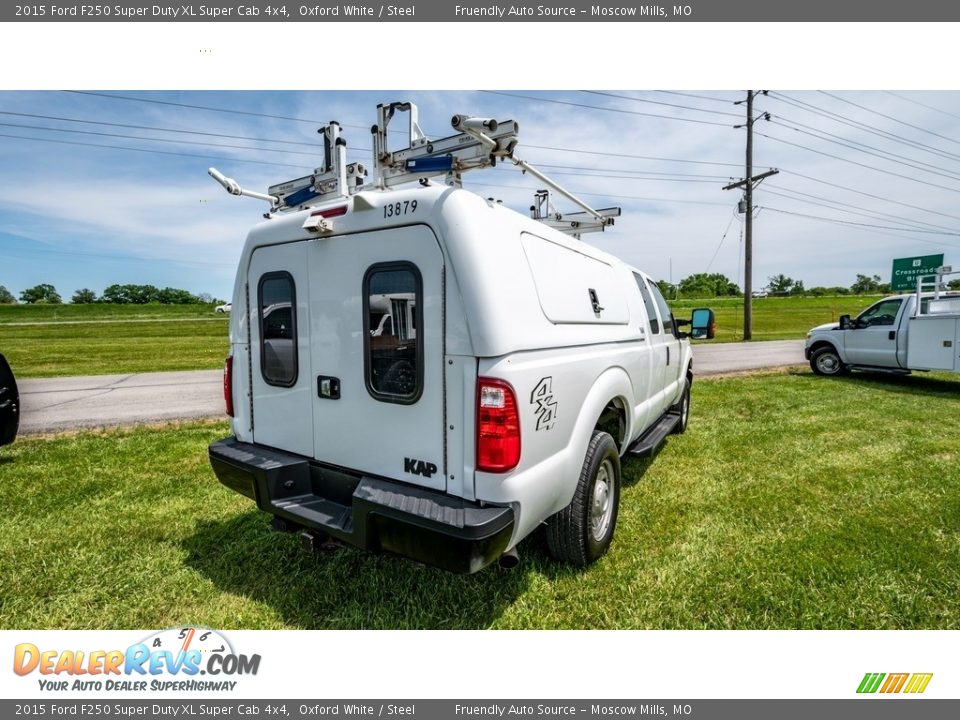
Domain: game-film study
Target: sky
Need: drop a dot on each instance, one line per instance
(111, 186)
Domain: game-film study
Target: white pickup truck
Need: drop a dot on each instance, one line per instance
(420, 370)
(898, 334)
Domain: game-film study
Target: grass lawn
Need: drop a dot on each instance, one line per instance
(776, 318)
(62, 340)
(792, 502)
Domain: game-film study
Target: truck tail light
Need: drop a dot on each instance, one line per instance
(498, 426)
(228, 384)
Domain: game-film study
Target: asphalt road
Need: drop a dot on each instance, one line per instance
(56, 404)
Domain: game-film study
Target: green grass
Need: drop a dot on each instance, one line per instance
(775, 318)
(62, 340)
(792, 502)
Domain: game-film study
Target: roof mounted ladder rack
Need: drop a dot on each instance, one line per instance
(479, 143)
(575, 224)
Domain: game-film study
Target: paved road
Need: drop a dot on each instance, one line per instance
(55, 404)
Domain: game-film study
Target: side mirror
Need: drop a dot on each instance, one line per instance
(9, 404)
(845, 323)
(703, 324)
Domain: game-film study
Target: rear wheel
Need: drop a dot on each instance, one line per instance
(826, 361)
(582, 532)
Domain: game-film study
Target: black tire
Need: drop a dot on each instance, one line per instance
(582, 532)
(683, 407)
(826, 361)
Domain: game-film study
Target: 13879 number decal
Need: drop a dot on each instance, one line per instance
(401, 207)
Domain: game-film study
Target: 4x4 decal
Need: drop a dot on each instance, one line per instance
(546, 406)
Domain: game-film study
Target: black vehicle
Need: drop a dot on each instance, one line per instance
(9, 404)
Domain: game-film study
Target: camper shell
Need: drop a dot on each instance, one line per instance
(425, 371)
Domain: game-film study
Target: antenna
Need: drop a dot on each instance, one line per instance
(233, 187)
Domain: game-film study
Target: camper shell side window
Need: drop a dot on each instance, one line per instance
(277, 313)
(392, 342)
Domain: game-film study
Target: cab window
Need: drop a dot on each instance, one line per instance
(664, 309)
(883, 313)
(648, 304)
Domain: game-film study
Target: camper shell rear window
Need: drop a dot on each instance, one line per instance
(277, 313)
(393, 343)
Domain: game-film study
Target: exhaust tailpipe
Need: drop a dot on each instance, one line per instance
(509, 560)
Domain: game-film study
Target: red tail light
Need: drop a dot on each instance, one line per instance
(498, 426)
(228, 384)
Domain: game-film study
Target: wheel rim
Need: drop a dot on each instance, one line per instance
(602, 503)
(828, 363)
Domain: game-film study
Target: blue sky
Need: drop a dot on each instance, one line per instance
(865, 176)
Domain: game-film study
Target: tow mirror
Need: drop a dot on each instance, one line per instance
(845, 323)
(703, 324)
(9, 404)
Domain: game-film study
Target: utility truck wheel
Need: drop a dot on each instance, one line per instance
(826, 361)
(581, 532)
(683, 407)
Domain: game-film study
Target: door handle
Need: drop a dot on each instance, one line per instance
(668, 356)
(892, 335)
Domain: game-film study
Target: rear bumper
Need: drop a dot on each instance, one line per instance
(370, 513)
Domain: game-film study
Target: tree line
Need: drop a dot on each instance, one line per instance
(46, 294)
(708, 285)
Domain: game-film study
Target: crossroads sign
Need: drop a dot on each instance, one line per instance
(906, 271)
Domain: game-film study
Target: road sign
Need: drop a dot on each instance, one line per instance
(906, 270)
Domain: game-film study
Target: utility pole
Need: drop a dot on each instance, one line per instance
(748, 183)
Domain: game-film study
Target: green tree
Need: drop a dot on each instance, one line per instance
(953, 285)
(84, 297)
(781, 285)
(6, 297)
(866, 285)
(706, 285)
(44, 293)
(798, 290)
(669, 291)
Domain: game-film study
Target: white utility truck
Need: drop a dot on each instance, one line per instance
(898, 334)
(419, 370)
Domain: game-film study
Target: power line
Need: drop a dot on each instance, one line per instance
(871, 195)
(723, 237)
(923, 105)
(859, 164)
(145, 150)
(693, 95)
(851, 209)
(603, 109)
(657, 102)
(366, 128)
(858, 125)
(870, 150)
(158, 129)
(890, 117)
(859, 224)
(150, 139)
(201, 107)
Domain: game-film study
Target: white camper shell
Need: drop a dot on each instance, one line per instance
(429, 373)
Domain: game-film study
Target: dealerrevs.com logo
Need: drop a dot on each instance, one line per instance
(179, 659)
(910, 683)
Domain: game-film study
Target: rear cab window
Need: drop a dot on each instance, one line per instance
(277, 313)
(393, 346)
(648, 304)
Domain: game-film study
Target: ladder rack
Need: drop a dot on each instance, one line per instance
(480, 143)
